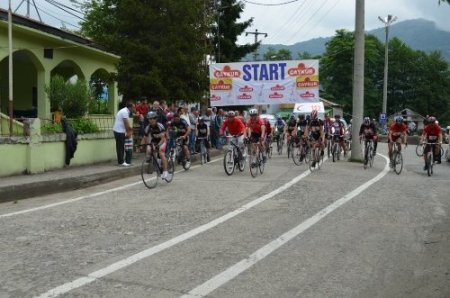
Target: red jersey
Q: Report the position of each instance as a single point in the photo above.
(432, 131)
(397, 130)
(255, 125)
(235, 127)
(268, 127)
(142, 109)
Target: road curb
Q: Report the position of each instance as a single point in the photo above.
(45, 187)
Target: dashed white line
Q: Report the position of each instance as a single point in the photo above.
(233, 271)
(165, 245)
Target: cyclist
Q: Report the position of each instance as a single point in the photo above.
(181, 129)
(290, 128)
(300, 132)
(269, 132)
(369, 132)
(236, 128)
(432, 133)
(256, 131)
(279, 128)
(314, 129)
(156, 135)
(397, 132)
(327, 124)
(203, 134)
(338, 131)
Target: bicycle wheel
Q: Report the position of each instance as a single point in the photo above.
(371, 156)
(269, 151)
(398, 163)
(261, 163)
(306, 153)
(289, 148)
(329, 148)
(228, 162)
(170, 170)
(253, 164)
(442, 152)
(429, 163)
(297, 155)
(241, 164)
(319, 158)
(312, 160)
(419, 150)
(150, 172)
(334, 152)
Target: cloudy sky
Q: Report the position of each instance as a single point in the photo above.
(290, 23)
(306, 19)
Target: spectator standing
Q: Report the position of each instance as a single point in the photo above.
(193, 119)
(122, 129)
(218, 121)
(160, 112)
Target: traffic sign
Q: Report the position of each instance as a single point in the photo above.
(382, 118)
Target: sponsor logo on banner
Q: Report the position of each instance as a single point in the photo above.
(301, 70)
(245, 96)
(276, 95)
(246, 89)
(307, 94)
(227, 72)
(214, 97)
(221, 85)
(307, 82)
(277, 87)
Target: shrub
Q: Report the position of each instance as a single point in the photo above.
(57, 92)
(50, 128)
(83, 126)
(77, 101)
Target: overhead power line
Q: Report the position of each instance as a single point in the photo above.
(270, 4)
(55, 4)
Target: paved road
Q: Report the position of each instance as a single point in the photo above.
(339, 232)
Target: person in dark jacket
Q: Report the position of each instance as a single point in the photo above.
(71, 140)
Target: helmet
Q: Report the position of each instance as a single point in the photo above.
(253, 112)
(314, 114)
(366, 120)
(278, 117)
(431, 120)
(292, 117)
(152, 115)
(399, 119)
(231, 114)
(337, 116)
(301, 116)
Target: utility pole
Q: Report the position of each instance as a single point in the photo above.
(10, 70)
(387, 21)
(358, 80)
(256, 33)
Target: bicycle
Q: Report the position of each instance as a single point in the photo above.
(178, 154)
(269, 147)
(151, 168)
(255, 159)
(203, 150)
(315, 159)
(233, 157)
(368, 153)
(429, 161)
(336, 148)
(329, 145)
(290, 146)
(301, 152)
(280, 142)
(419, 149)
(397, 160)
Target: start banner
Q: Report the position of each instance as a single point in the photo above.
(264, 82)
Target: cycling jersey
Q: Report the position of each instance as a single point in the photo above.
(314, 129)
(301, 127)
(291, 125)
(235, 126)
(268, 127)
(279, 125)
(155, 131)
(327, 124)
(369, 131)
(432, 131)
(337, 128)
(255, 125)
(397, 130)
(179, 128)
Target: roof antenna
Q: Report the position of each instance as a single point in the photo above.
(28, 8)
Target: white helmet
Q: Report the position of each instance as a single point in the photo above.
(253, 112)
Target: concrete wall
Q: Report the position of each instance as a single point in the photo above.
(38, 154)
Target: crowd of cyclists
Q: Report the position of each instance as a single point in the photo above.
(304, 129)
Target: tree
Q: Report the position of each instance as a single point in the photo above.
(161, 44)
(225, 31)
(281, 54)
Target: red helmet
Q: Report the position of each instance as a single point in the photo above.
(314, 114)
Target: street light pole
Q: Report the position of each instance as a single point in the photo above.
(387, 21)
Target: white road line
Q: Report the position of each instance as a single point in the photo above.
(233, 271)
(165, 245)
(93, 195)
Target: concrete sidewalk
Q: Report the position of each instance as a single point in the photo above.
(26, 186)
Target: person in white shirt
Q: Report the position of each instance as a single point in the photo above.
(122, 129)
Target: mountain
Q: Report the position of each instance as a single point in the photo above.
(419, 34)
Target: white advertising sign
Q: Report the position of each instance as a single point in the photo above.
(308, 107)
(264, 82)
